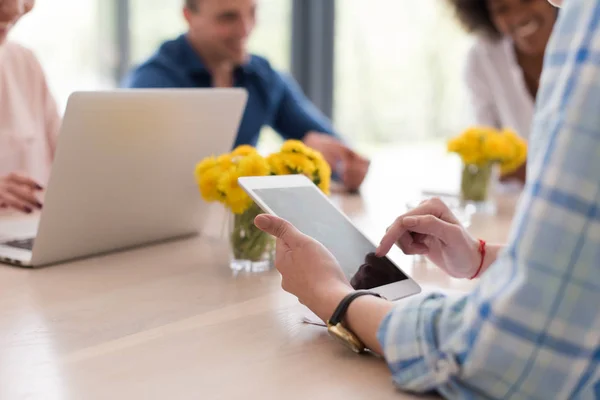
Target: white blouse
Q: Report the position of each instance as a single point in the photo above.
(497, 91)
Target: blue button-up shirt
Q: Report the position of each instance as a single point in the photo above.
(531, 327)
(274, 99)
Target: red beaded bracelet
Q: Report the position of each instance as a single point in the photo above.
(482, 252)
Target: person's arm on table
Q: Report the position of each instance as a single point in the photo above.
(297, 118)
(417, 232)
(19, 192)
(366, 313)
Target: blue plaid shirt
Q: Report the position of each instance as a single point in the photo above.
(531, 327)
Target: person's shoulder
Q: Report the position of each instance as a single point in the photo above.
(260, 63)
(484, 47)
(22, 61)
(484, 52)
(262, 67)
(268, 74)
(171, 50)
(16, 53)
(25, 72)
(15, 48)
(160, 69)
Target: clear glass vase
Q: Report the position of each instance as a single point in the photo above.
(475, 187)
(252, 250)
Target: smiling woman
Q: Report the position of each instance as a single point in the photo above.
(504, 65)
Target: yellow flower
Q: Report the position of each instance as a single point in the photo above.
(481, 145)
(325, 185)
(204, 166)
(240, 206)
(228, 182)
(455, 145)
(207, 183)
(313, 154)
(519, 158)
(472, 159)
(478, 133)
(518, 154)
(276, 164)
(467, 145)
(512, 136)
(225, 162)
(299, 164)
(233, 195)
(322, 175)
(319, 160)
(254, 165)
(497, 147)
(243, 150)
(294, 146)
(217, 177)
(469, 150)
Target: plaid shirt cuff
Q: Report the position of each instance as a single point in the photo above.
(409, 338)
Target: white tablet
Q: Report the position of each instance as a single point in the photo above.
(296, 199)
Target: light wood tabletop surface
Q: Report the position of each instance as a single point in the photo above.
(171, 321)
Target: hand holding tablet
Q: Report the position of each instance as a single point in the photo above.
(295, 199)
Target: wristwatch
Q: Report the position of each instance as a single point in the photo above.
(339, 331)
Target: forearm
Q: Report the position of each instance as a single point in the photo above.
(364, 317)
(296, 116)
(366, 313)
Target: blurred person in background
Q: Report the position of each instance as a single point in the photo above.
(214, 53)
(504, 66)
(29, 119)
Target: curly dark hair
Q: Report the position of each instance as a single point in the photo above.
(475, 17)
(191, 4)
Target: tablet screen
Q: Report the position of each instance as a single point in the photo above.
(313, 215)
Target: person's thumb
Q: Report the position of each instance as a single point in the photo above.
(430, 225)
(279, 228)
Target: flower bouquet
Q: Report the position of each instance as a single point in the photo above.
(481, 149)
(217, 178)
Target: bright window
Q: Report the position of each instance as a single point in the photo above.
(73, 41)
(398, 71)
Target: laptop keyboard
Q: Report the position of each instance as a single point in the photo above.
(25, 244)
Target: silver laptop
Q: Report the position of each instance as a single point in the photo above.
(123, 174)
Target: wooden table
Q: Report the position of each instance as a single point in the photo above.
(172, 322)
